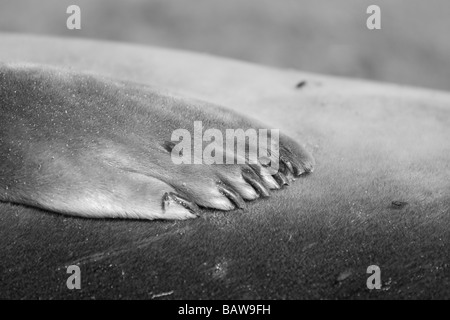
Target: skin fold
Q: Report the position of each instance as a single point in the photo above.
(379, 194)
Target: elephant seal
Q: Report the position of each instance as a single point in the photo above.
(379, 194)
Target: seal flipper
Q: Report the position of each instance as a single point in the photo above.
(88, 146)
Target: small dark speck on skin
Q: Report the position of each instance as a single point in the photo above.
(398, 204)
(301, 84)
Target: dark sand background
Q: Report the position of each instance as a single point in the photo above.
(330, 37)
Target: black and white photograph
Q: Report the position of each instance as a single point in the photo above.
(239, 151)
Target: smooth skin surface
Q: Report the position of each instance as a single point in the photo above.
(379, 194)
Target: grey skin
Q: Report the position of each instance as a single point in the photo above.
(380, 193)
(95, 147)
